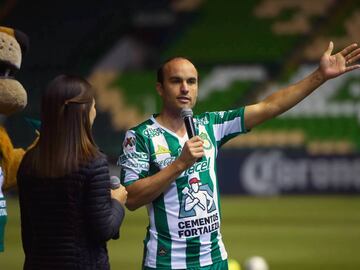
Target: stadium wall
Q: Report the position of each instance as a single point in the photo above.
(276, 171)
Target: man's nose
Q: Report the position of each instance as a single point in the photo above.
(184, 88)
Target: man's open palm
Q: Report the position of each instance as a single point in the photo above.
(332, 66)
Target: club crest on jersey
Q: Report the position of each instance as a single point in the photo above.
(207, 143)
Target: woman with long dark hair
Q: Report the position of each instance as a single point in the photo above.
(68, 211)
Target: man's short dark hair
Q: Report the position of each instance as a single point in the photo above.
(160, 71)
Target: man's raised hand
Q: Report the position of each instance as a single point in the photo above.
(332, 66)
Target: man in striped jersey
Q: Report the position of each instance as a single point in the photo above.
(160, 166)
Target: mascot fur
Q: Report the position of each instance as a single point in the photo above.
(13, 99)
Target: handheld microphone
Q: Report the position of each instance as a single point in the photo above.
(187, 115)
(114, 182)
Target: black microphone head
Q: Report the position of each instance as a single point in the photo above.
(114, 182)
(186, 112)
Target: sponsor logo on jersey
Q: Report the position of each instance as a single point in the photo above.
(221, 114)
(135, 164)
(129, 142)
(3, 207)
(201, 121)
(197, 203)
(161, 150)
(3, 212)
(198, 167)
(140, 156)
(153, 132)
(198, 226)
(164, 162)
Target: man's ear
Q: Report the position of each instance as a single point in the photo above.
(159, 89)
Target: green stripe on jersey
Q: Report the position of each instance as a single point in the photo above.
(193, 252)
(164, 239)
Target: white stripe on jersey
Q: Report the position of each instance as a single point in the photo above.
(222, 247)
(205, 249)
(227, 128)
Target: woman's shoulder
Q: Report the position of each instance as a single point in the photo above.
(97, 162)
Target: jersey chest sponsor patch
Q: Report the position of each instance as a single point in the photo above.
(198, 211)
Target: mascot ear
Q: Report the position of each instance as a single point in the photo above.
(20, 37)
(23, 40)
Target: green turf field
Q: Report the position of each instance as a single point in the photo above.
(292, 233)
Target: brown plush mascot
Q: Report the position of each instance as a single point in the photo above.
(13, 98)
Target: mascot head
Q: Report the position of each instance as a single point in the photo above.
(13, 44)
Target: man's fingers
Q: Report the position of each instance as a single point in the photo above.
(329, 49)
(196, 144)
(352, 54)
(353, 59)
(196, 139)
(348, 49)
(198, 154)
(197, 149)
(352, 68)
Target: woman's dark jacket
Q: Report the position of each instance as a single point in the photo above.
(65, 222)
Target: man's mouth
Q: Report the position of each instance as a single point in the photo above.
(7, 70)
(184, 99)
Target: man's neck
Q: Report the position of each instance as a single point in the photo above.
(172, 121)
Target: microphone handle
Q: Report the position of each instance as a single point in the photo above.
(190, 127)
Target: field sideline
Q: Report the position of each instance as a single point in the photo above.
(292, 233)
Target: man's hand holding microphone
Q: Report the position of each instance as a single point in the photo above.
(193, 149)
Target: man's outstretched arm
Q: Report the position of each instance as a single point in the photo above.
(330, 67)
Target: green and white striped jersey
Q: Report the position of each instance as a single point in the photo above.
(184, 229)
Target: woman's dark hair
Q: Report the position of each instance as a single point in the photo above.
(65, 140)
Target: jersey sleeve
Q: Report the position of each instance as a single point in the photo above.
(134, 160)
(227, 124)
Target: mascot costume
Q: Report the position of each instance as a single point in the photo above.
(13, 99)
